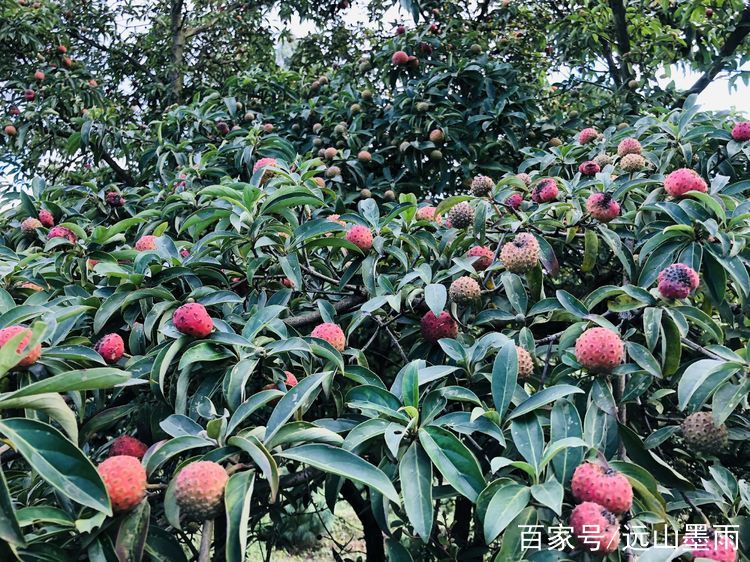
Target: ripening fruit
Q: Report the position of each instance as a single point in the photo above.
(114, 199)
(681, 181)
(32, 355)
(29, 226)
(461, 215)
(514, 200)
(741, 131)
(62, 232)
(360, 236)
(29, 95)
(364, 156)
(677, 281)
(10, 130)
(595, 528)
(481, 186)
(267, 128)
(62, 49)
(264, 163)
(521, 254)
(330, 153)
(437, 136)
(603, 159)
(602, 207)
(525, 178)
(290, 381)
(589, 168)
(422, 106)
(464, 290)
(628, 146)
(554, 141)
(389, 195)
(525, 363)
(93, 83)
(436, 156)
(632, 163)
(712, 545)
(110, 347)
(594, 483)
(355, 108)
(400, 30)
(193, 319)
(545, 191)
(332, 172)
(702, 435)
(599, 350)
(46, 218)
(331, 333)
(399, 58)
(587, 135)
(484, 257)
(125, 480)
(39, 75)
(146, 243)
(438, 327)
(427, 214)
(199, 490)
(127, 446)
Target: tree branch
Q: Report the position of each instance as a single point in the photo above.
(344, 305)
(121, 174)
(621, 35)
(373, 534)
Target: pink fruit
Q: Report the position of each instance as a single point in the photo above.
(360, 236)
(681, 181)
(599, 349)
(589, 168)
(525, 178)
(514, 200)
(127, 446)
(545, 191)
(193, 319)
(62, 232)
(32, 355)
(29, 225)
(741, 131)
(331, 333)
(711, 545)
(399, 58)
(114, 199)
(464, 290)
(587, 135)
(199, 490)
(602, 207)
(146, 243)
(125, 480)
(628, 146)
(110, 347)
(525, 363)
(427, 214)
(521, 254)
(46, 218)
(265, 163)
(437, 327)
(291, 380)
(595, 528)
(677, 281)
(484, 255)
(594, 483)
(29, 95)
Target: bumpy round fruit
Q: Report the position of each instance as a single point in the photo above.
(110, 347)
(335, 218)
(437, 327)
(46, 218)
(193, 319)
(29, 226)
(331, 333)
(330, 153)
(702, 435)
(114, 199)
(290, 380)
(679, 182)
(481, 186)
(364, 156)
(603, 159)
(360, 236)
(146, 243)
(464, 290)
(399, 58)
(587, 135)
(525, 363)
(632, 163)
(265, 163)
(712, 545)
(437, 136)
(125, 480)
(545, 191)
(554, 141)
(589, 168)
(127, 446)
(602, 207)
(628, 146)
(62, 232)
(521, 254)
(514, 200)
(525, 178)
(199, 490)
(427, 214)
(677, 281)
(484, 255)
(595, 528)
(741, 131)
(599, 349)
(594, 483)
(32, 355)
(332, 171)
(461, 215)
(11, 130)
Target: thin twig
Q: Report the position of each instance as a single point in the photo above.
(206, 538)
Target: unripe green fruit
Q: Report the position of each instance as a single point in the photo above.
(436, 156)
(365, 193)
(422, 106)
(476, 49)
(389, 195)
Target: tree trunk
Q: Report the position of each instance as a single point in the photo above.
(373, 534)
(176, 77)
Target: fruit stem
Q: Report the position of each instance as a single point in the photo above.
(206, 539)
(695, 508)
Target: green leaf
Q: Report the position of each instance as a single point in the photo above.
(571, 304)
(156, 457)
(696, 375)
(549, 494)
(341, 462)
(238, 495)
(85, 379)
(436, 295)
(262, 458)
(504, 377)
(131, 536)
(528, 437)
(415, 474)
(542, 398)
(512, 548)
(295, 398)
(506, 503)
(454, 460)
(10, 530)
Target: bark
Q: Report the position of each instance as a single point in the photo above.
(373, 534)
(344, 305)
(622, 37)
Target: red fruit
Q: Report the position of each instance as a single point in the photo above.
(679, 182)
(437, 327)
(10, 130)
(595, 528)
(741, 131)
(39, 75)
(222, 127)
(67, 61)
(287, 282)
(184, 252)
(484, 255)
(589, 168)
(399, 58)
(514, 200)
(32, 355)
(291, 380)
(587, 135)
(110, 347)
(14, 110)
(400, 30)
(427, 214)
(599, 349)
(545, 191)
(199, 490)
(145, 243)
(712, 545)
(62, 49)
(46, 218)
(93, 83)
(127, 446)
(331, 333)
(677, 281)
(611, 489)
(125, 480)
(193, 319)
(412, 63)
(522, 254)
(434, 28)
(360, 236)
(29, 95)
(330, 153)
(602, 207)
(628, 146)
(709, 13)
(265, 163)
(61, 232)
(114, 199)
